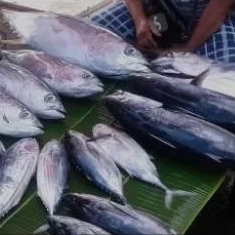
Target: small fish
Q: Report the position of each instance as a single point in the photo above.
(94, 163)
(210, 74)
(64, 78)
(113, 217)
(195, 100)
(62, 225)
(29, 90)
(17, 166)
(2, 149)
(16, 120)
(77, 41)
(52, 174)
(131, 157)
(173, 128)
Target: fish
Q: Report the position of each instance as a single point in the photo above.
(77, 41)
(16, 120)
(197, 70)
(131, 157)
(65, 78)
(96, 166)
(210, 105)
(52, 172)
(2, 149)
(61, 225)
(175, 129)
(17, 166)
(113, 217)
(29, 90)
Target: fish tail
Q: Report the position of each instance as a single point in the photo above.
(170, 194)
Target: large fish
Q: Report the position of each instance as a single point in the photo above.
(52, 174)
(174, 128)
(210, 74)
(131, 157)
(16, 120)
(32, 92)
(77, 41)
(17, 166)
(65, 78)
(94, 163)
(212, 106)
(113, 217)
(62, 225)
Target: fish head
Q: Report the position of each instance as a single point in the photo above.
(81, 203)
(31, 125)
(19, 121)
(129, 101)
(49, 104)
(117, 58)
(75, 140)
(183, 62)
(79, 82)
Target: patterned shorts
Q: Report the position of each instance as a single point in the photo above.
(220, 46)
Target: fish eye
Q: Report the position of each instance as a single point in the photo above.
(49, 98)
(87, 75)
(129, 50)
(24, 114)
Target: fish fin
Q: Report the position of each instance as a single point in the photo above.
(178, 108)
(199, 79)
(170, 194)
(214, 157)
(99, 137)
(163, 141)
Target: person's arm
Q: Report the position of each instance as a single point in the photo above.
(143, 29)
(211, 20)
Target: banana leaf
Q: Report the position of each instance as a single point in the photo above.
(82, 115)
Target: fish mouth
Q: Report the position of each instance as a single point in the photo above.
(53, 114)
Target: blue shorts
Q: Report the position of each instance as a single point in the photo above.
(220, 46)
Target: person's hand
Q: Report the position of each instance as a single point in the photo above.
(144, 35)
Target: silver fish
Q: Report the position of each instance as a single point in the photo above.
(65, 78)
(94, 163)
(31, 91)
(2, 149)
(61, 225)
(115, 218)
(17, 166)
(16, 120)
(210, 74)
(131, 157)
(77, 41)
(52, 174)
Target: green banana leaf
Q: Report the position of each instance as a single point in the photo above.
(82, 115)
